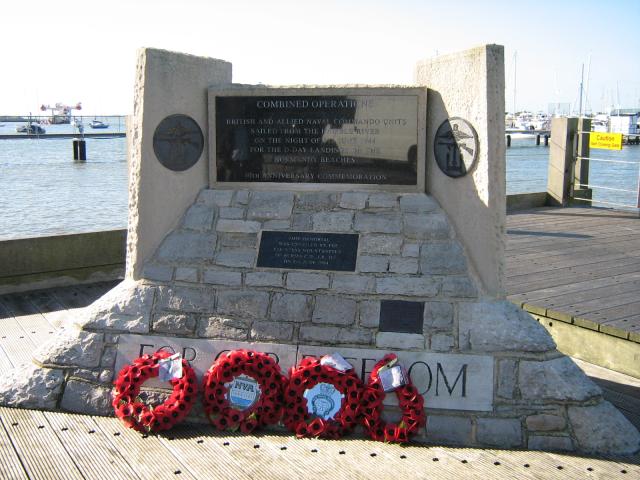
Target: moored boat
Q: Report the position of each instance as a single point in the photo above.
(98, 124)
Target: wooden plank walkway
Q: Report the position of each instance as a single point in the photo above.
(579, 265)
(54, 445)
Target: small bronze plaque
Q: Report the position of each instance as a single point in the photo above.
(456, 147)
(401, 317)
(308, 251)
(178, 142)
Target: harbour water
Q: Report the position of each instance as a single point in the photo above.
(44, 192)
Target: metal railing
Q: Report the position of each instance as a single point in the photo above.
(589, 185)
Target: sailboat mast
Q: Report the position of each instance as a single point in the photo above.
(581, 85)
(515, 71)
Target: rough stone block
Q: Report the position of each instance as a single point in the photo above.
(215, 198)
(276, 225)
(500, 432)
(291, 307)
(550, 443)
(383, 200)
(186, 299)
(460, 287)
(307, 281)
(381, 244)
(377, 223)
(369, 314)
(316, 201)
(159, 273)
(187, 274)
(174, 323)
(403, 265)
(354, 284)
(242, 197)
(222, 277)
(507, 378)
(87, 398)
(545, 422)
(237, 226)
(199, 217)
(411, 286)
(488, 326)
(411, 250)
(442, 342)
(29, 386)
(334, 310)
(301, 222)
(334, 335)
(373, 263)
(238, 257)
(442, 258)
(557, 379)
(449, 430)
(108, 358)
(243, 303)
(238, 240)
(417, 203)
(189, 247)
(438, 316)
(400, 341)
(71, 348)
(332, 221)
(270, 205)
(603, 429)
(232, 213)
(271, 331)
(127, 307)
(264, 279)
(431, 226)
(354, 200)
(219, 327)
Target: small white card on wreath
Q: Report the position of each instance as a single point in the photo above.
(170, 368)
(392, 378)
(337, 361)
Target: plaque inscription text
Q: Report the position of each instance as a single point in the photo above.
(308, 251)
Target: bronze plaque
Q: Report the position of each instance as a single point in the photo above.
(178, 142)
(456, 147)
(349, 139)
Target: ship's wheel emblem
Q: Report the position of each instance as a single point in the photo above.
(456, 147)
(178, 142)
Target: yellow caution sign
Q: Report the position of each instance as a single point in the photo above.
(607, 141)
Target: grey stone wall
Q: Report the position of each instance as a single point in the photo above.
(407, 250)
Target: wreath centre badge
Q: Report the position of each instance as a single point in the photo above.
(323, 400)
(242, 392)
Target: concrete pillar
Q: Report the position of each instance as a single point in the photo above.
(470, 85)
(561, 155)
(167, 83)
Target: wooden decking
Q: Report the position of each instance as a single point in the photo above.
(578, 265)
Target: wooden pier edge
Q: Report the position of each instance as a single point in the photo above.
(608, 346)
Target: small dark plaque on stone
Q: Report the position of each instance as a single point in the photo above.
(401, 317)
(456, 147)
(308, 251)
(178, 142)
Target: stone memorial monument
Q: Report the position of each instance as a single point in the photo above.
(310, 220)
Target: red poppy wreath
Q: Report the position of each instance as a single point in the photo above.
(321, 401)
(410, 401)
(135, 414)
(243, 389)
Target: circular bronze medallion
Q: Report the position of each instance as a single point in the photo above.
(178, 142)
(456, 147)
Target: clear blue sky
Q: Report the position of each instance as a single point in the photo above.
(69, 51)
